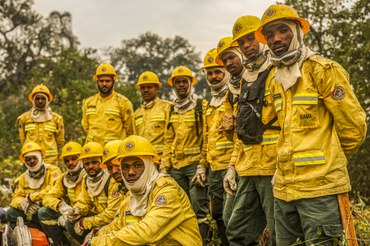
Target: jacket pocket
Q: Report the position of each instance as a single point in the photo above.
(305, 111)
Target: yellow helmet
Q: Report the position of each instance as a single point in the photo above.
(70, 148)
(41, 88)
(91, 149)
(110, 151)
(245, 25)
(105, 69)
(135, 146)
(148, 77)
(181, 71)
(210, 59)
(224, 44)
(28, 147)
(276, 12)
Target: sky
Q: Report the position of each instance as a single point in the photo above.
(105, 23)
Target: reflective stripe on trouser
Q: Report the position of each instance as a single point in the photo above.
(253, 210)
(315, 221)
(198, 195)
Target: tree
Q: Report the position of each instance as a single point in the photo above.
(340, 31)
(160, 55)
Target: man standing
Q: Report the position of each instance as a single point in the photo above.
(151, 118)
(107, 115)
(217, 148)
(31, 186)
(41, 125)
(322, 124)
(62, 195)
(254, 156)
(98, 200)
(183, 142)
(156, 211)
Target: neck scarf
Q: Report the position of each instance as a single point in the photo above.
(218, 91)
(41, 114)
(95, 185)
(182, 106)
(148, 105)
(256, 65)
(74, 177)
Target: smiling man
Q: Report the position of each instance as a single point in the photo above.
(151, 118)
(107, 115)
(156, 211)
(41, 125)
(322, 125)
(98, 200)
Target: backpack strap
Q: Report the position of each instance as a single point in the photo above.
(198, 112)
(171, 111)
(270, 126)
(106, 186)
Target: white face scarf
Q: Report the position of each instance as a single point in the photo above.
(41, 115)
(40, 161)
(35, 182)
(218, 91)
(141, 188)
(182, 106)
(260, 64)
(288, 65)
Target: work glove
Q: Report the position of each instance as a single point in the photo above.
(230, 184)
(79, 229)
(74, 214)
(62, 221)
(227, 123)
(33, 208)
(25, 203)
(200, 177)
(89, 236)
(63, 208)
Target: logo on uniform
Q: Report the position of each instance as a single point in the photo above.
(145, 77)
(69, 148)
(160, 200)
(180, 70)
(129, 146)
(221, 44)
(210, 59)
(87, 150)
(237, 28)
(105, 151)
(270, 13)
(103, 69)
(41, 88)
(338, 93)
(29, 146)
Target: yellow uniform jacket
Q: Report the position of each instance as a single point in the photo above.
(217, 149)
(103, 205)
(107, 118)
(182, 145)
(151, 123)
(169, 220)
(322, 124)
(35, 195)
(49, 135)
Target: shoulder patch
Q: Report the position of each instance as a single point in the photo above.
(338, 93)
(160, 200)
(128, 111)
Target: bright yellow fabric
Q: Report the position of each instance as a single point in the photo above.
(49, 135)
(108, 118)
(182, 146)
(52, 173)
(102, 205)
(151, 123)
(169, 220)
(319, 131)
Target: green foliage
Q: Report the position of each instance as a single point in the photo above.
(340, 31)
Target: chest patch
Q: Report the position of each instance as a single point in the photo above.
(160, 200)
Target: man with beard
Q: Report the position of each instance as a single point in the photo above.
(98, 200)
(183, 142)
(254, 157)
(62, 195)
(217, 148)
(41, 125)
(107, 115)
(156, 211)
(322, 125)
(31, 186)
(151, 118)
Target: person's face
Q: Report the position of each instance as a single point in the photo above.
(278, 38)
(232, 63)
(181, 86)
(31, 160)
(249, 45)
(214, 75)
(149, 92)
(70, 161)
(105, 85)
(132, 168)
(92, 166)
(40, 101)
(114, 171)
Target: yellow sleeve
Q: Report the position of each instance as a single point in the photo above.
(55, 194)
(169, 137)
(84, 202)
(19, 193)
(118, 221)
(128, 112)
(84, 121)
(158, 222)
(203, 155)
(22, 133)
(107, 215)
(52, 177)
(238, 147)
(60, 132)
(340, 100)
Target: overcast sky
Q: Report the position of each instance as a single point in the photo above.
(104, 23)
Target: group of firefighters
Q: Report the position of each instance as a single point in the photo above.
(269, 150)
